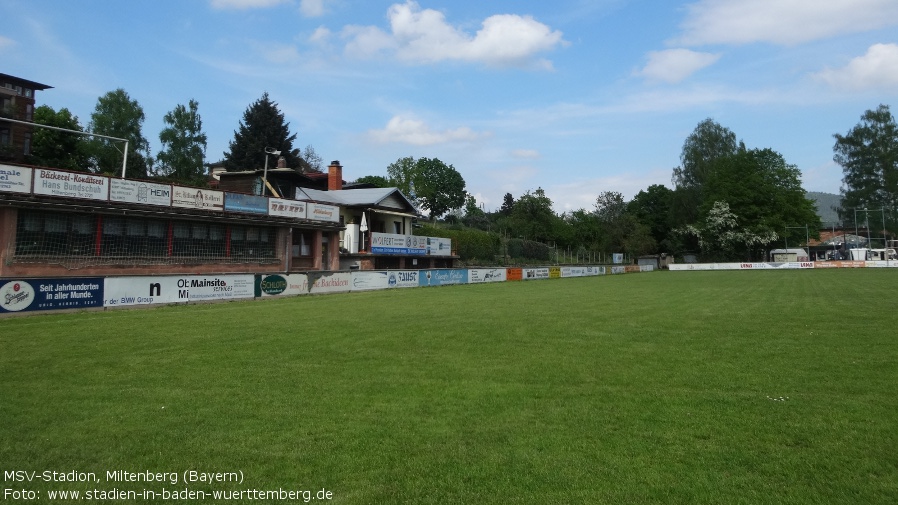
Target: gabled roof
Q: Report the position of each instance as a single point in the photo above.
(384, 198)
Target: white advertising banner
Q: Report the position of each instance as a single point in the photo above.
(575, 271)
(438, 246)
(691, 266)
(195, 198)
(146, 290)
(287, 208)
(321, 212)
(123, 190)
(618, 270)
(404, 278)
(478, 275)
(368, 279)
(338, 282)
(882, 264)
(15, 179)
(595, 270)
(530, 274)
(792, 265)
(70, 184)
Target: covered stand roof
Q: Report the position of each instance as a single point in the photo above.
(389, 199)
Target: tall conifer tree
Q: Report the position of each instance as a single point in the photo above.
(262, 126)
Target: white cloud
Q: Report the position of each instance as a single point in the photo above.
(785, 22)
(366, 41)
(313, 8)
(424, 36)
(530, 154)
(877, 69)
(416, 132)
(244, 4)
(320, 36)
(674, 65)
(6, 42)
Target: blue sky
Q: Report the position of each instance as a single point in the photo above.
(573, 96)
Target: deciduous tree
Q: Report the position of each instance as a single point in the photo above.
(54, 148)
(117, 115)
(183, 145)
(438, 186)
(868, 154)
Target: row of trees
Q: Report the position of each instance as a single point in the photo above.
(728, 202)
(182, 156)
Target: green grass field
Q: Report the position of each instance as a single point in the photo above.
(670, 387)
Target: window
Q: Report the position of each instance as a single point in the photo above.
(113, 236)
(26, 143)
(29, 112)
(252, 242)
(302, 243)
(55, 235)
(5, 137)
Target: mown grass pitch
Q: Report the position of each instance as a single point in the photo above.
(668, 387)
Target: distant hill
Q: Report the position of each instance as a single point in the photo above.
(826, 205)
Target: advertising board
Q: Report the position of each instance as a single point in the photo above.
(595, 270)
(442, 277)
(15, 179)
(18, 295)
(367, 280)
(70, 184)
(337, 282)
(391, 243)
(287, 208)
(322, 212)
(148, 290)
(439, 246)
(123, 190)
(404, 278)
(514, 274)
(532, 274)
(478, 275)
(840, 264)
(282, 285)
(250, 204)
(194, 198)
(573, 271)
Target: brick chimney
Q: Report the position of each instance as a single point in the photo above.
(334, 176)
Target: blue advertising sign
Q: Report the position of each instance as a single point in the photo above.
(235, 202)
(391, 243)
(48, 294)
(443, 277)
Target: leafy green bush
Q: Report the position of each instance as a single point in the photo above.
(470, 245)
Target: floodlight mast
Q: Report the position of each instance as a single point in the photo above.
(29, 123)
(268, 150)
